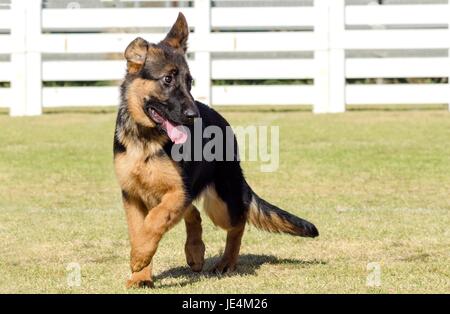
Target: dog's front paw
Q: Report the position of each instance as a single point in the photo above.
(139, 259)
(139, 283)
(141, 279)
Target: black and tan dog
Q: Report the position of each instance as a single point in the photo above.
(157, 190)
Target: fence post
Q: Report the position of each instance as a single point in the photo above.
(26, 81)
(337, 56)
(18, 58)
(34, 61)
(203, 57)
(329, 56)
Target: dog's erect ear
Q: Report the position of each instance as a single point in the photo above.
(178, 34)
(135, 54)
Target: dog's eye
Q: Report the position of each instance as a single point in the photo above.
(167, 79)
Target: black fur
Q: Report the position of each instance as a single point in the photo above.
(125, 195)
(118, 147)
(226, 175)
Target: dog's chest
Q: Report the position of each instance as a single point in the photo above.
(144, 174)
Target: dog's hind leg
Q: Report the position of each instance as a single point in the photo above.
(229, 259)
(194, 247)
(226, 201)
(219, 212)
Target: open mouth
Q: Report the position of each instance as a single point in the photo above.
(155, 116)
(176, 133)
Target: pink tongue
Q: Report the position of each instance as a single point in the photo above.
(176, 133)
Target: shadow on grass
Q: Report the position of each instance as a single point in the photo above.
(247, 265)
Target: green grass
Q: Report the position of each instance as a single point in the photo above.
(375, 183)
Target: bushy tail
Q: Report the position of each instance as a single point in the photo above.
(268, 217)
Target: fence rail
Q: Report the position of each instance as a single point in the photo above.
(328, 30)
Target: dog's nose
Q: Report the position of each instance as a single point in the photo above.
(190, 113)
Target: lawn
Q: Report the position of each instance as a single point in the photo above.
(376, 184)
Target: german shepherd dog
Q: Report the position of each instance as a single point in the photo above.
(157, 191)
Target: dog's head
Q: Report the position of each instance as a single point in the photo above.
(158, 80)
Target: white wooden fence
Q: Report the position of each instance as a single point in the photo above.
(324, 29)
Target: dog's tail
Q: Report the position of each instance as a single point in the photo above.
(268, 217)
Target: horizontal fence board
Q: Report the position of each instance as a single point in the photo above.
(396, 67)
(91, 43)
(394, 39)
(5, 97)
(102, 70)
(5, 71)
(63, 19)
(221, 69)
(5, 19)
(215, 42)
(263, 95)
(411, 94)
(263, 69)
(222, 95)
(397, 94)
(396, 14)
(262, 17)
(249, 69)
(253, 41)
(5, 44)
(80, 96)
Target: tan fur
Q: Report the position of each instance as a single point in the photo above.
(135, 212)
(135, 54)
(271, 222)
(158, 221)
(137, 93)
(173, 42)
(178, 34)
(141, 279)
(154, 197)
(216, 209)
(155, 53)
(133, 67)
(148, 181)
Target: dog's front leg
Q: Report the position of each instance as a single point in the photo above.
(157, 222)
(135, 212)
